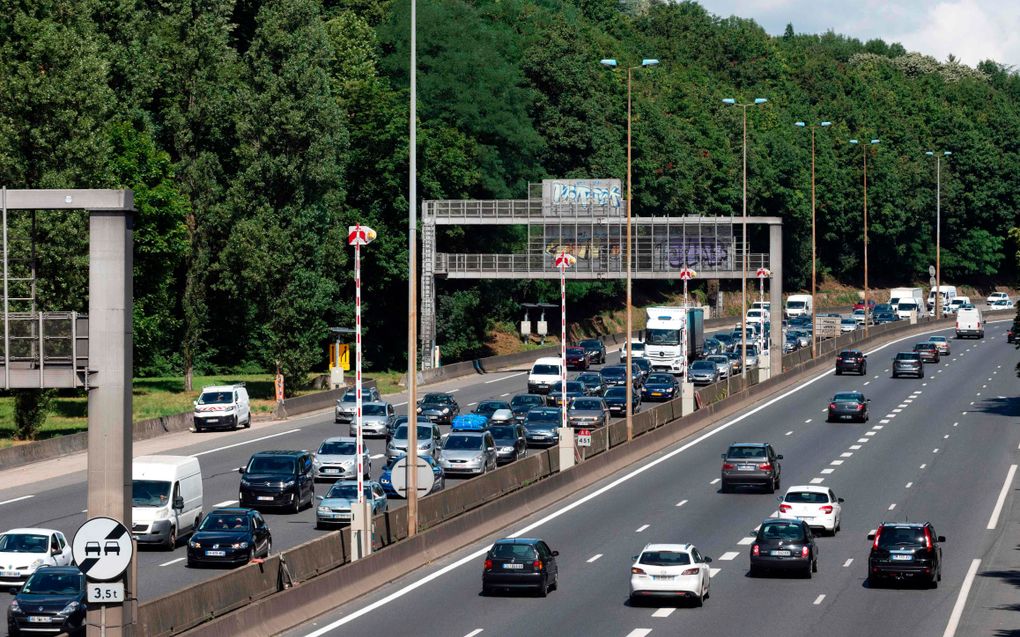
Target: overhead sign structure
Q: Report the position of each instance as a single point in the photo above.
(584, 438)
(398, 477)
(102, 549)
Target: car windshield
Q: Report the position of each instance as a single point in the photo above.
(216, 398)
(589, 378)
(460, 442)
(703, 365)
(586, 404)
(664, 558)
(350, 396)
(893, 536)
(346, 491)
(782, 531)
(662, 337)
(435, 399)
(24, 543)
(373, 410)
(338, 448)
(573, 387)
(637, 347)
(524, 401)
(543, 417)
(937, 339)
(616, 392)
(507, 551)
(224, 522)
(745, 452)
(847, 396)
(905, 356)
(591, 344)
(795, 305)
(906, 307)
(807, 497)
(424, 432)
(576, 351)
(504, 432)
(149, 493)
(921, 346)
(546, 370)
(613, 372)
(659, 379)
(43, 582)
(270, 464)
(848, 321)
(487, 407)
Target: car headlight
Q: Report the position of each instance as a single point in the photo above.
(323, 509)
(245, 483)
(288, 484)
(14, 607)
(506, 449)
(418, 409)
(478, 458)
(70, 608)
(425, 445)
(162, 514)
(195, 545)
(446, 410)
(239, 545)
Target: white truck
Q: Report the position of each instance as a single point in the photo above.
(946, 291)
(674, 336)
(905, 294)
(799, 305)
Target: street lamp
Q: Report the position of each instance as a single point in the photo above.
(411, 476)
(938, 228)
(864, 147)
(758, 101)
(814, 323)
(611, 63)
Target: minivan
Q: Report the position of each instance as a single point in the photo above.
(282, 479)
(543, 375)
(222, 407)
(166, 498)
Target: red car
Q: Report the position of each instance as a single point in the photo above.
(577, 358)
(859, 305)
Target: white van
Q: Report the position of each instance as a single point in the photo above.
(799, 305)
(908, 305)
(970, 322)
(947, 293)
(222, 406)
(166, 498)
(544, 374)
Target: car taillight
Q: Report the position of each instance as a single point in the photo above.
(765, 467)
(877, 534)
(832, 405)
(727, 466)
(636, 571)
(804, 552)
(755, 551)
(690, 571)
(827, 509)
(537, 565)
(927, 538)
(488, 565)
(783, 508)
(859, 407)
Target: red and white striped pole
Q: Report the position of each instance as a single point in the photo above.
(358, 236)
(563, 261)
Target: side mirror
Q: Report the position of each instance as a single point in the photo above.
(840, 500)
(555, 553)
(195, 403)
(318, 497)
(634, 558)
(240, 470)
(871, 536)
(179, 503)
(779, 498)
(942, 538)
(722, 455)
(708, 560)
(55, 551)
(779, 457)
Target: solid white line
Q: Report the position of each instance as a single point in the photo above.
(746, 541)
(817, 480)
(712, 572)
(400, 404)
(818, 600)
(848, 562)
(24, 497)
(179, 559)
(472, 404)
(225, 503)
(594, 557)
(474, 632)
(454, 391)
(961, 599)
(909, 484)
(681, 503)
(994, 520)
(663, 612)
(729, 555)
(637, 632)
(641, 528)
(892, 506)
(246, 442)
(496, 380)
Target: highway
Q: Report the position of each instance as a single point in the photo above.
(938, 448)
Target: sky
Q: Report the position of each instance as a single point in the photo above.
(972, 30)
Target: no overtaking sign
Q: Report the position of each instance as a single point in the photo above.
(102, 549)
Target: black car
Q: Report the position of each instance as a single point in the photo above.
(278, 479)
(851, 360)
(577, 358)
(786, 545)
(1012, 332)
(644, 365)
(907, 363)
(848, 405)
(592, 382)
(881, 318)
(751, 464)
(614, 376)
(928, 351)
(575, 389)
(520, 563)
(541, 426)
(438, 407)
(230, 536)
(521, 404)
(616, 400)
(488, 407)
(726, 340)
(905, 550)
(595, 349)
(51, 601)
(660, 386)
(511, 442)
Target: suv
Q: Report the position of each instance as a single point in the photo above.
(595, 349)
(277, 479)
(468, 453)
(225, 406)
(752, 464)
(907, 363)
(902, 550)
(851, 360)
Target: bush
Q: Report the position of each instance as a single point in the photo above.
(30, 409)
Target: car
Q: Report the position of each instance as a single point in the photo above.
(428, 439)
(386, 477)
(905, 551)
(941, 344)
(595, 349)
(502, 417)
(815, 504)
(803, 337)
(907, 363)
(336, 506)
(577, 358)
(346, 405)
(783, 544)
(881, 318)
(722, 362)
(928, 352)
(614, 376)
(644, 365)
(852, 360)
(790, 345)
(470, 422)
(848, 405)
(995, 297)
(726, 340)
(734, 357)
(488, 407)
(51, 601)
(520, 563)
(222, 406)
(592, 382)
(521, 404)
(848, 324)
(703, 372)
(280, 478)
(541, 426)
(575, 389)
(337, 458)
(402, 420)
(660, 386)
(511, 442)
(438, 407)
(670, 571)
(233, 536)
(471, 453)
(860, 316)
(1004, 304)
(752, 356)
(751, 464)
(713, 346)
(616, 400)
(588, 411)
(860, 305)
(377, 419)
(24, 550)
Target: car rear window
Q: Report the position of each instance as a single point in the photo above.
(807, 497)
(904, 356)
(586, 404)
(893, 536)
(511, 551)
(746, 452)
(664, 558)
(846, 396)
(780, 531)
(546, 370)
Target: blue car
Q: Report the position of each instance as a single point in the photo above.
(470, 422)
(659, 386)
(437, 472)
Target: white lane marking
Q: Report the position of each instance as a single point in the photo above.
(863, 439)
(817, 480)
(24, 497)
(892, 506)
(855, 447)
(923, 466)
(907, 401)
(955, 424)
(884, 421)
(472, 404)
(847, 563)
(984, 387)
(377, 456)
(945, 437)
(876, 377)
(84, 510)
(789, 433)
(246, 442)
(594, 557)
(961, 600)
(924, 384)
(867, 382)
(496, 380)
(663, 612)
(681, 503)
(891, 415)
(474, 632)
(807, 421)
(729, 555)
(716, 481)
(745, 541)
(878, 427)
(916, 393)
(979, 393)
(227, 503)
(712, 572)
(179, 559)
(827, 471)
(641, 528)
(964, 414)
(637, 632)
(818, 600)
(506, 394)
(846, 454)
(836, 462)
(454, 391)
(870, 433)
(825, 411)
(400, 404)
(935, 450)
(909, 484)
(895, 411)
(994, 520)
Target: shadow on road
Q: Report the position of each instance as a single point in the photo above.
(1009, 406)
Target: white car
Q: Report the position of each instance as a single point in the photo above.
(815, 504)
(1002, 304)
(996, 296)
(22, 551)
(670, 571)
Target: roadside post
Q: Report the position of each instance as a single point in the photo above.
(765, 353)
(103, 548)
(563, 261)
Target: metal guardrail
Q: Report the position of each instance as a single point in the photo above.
(44, 349)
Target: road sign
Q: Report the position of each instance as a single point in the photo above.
(763, 273)
(932, 281)
(584, 438)
(360, 235)
(102, 549)
(931, 270)
(344, 356)
(686, 274)
(565, 260)
(398, 477)
(106, 592)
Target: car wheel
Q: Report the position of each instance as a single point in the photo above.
(934, 582)
(296, 507)
(486, 591)
(724, 487)
(864, 370)
(699, 601)
(771, 487)
(814, 565)
(839, 373)
(247, 423)
(189, 564)
(543, 588)
(755, 571)
(236, 423)
(171, 540)
(895, 375)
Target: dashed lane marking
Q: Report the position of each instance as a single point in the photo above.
(24, 497)
(855, 447)
(594, 557)
(716, 481)
(664, 612)
(817, 480)
(729, 555)
(846, 454)
(827, 471)
(712, 572)
(818, 600)
(225, 503)
(892, 506)
(847, 563)
(681, 503)
(909, 484)
(789, 433)
(745, 541)
(179, 559)
(923, 466)
(641, 528)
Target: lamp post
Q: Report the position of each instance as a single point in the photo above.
(864, 147)
(563, 261)
(412, 286)
(938, 228)
(814, 248)
(758, 101)
(612, 64)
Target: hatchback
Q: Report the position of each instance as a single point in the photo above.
(541, 426)
(468, 453)
(941, 343)
(907, 363)
(230, 536)
(815, 504)
(520, 563)
(670, 571)
(337, 458)
(787, 545)
(511, 441)
(438, 407)
(336, 506)
(51, 601)
(661, 386)
(851, 360)
(595, 349)
(521, 404)
(577, 358)
(903, 550)
(751, 464)
(592, 382)
(428, 440)
(703, 372)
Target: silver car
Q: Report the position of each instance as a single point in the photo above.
(337, 458)
(377, 418)
(471, 453)
(335, 506)
(722, 362)
(428, 440)
(346, 405)
(588, 411)
(703, 372)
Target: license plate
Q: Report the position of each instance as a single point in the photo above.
(745, 468)
(660, 578)
(903, 558)
(38, 619)
(781, 553)
(331, 470)
(265, 498)
(513, 566)
(656, 393)
(847, 416)
(8, 573)
(216, 553)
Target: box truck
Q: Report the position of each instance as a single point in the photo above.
(674, 336)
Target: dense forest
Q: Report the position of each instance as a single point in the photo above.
(254, 132)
